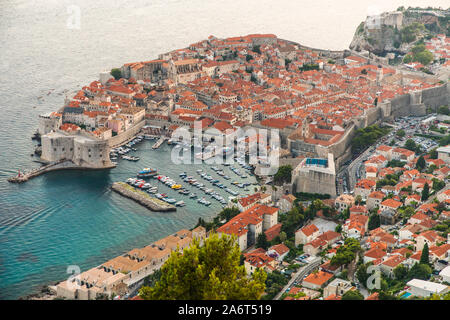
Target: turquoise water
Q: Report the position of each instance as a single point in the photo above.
(73, 218)
(405, 295)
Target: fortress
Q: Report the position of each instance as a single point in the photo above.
(84, 150)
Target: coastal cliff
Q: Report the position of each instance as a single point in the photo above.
(397, 31)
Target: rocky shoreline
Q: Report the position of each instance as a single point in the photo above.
(43, 293)
(141, 197)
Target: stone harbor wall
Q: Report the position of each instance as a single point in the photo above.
(125, 136)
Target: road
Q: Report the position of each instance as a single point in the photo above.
(300, 274)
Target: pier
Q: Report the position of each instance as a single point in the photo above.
(141, 197)
(159, 143)
(25, 176)
(58, 165)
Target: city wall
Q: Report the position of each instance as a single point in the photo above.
(315, 182)
(416, 103)
(125, 136)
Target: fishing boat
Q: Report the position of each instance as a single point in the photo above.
(147, 173)
(180, 203)
(183, 174)
(176, 186)
(152, 190)
(169, 200)
(131, 180)
(131, 158)
(192, 196)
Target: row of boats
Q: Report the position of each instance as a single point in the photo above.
(122, 151)
(143, 185)
(146, 173)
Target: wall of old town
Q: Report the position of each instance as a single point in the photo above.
(125, 136)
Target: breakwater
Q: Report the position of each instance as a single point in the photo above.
(141, 197)
(54, 166)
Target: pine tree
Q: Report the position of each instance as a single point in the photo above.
(425, 192)
(424, 258)
(208, 272)
(262, 242)
(421, 164)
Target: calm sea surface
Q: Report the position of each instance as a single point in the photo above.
(72, 218)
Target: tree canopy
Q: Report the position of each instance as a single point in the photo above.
(352, 295)
(346, 253)
(283, 175)
(206, 272)
(367, 136)
(262, 242)
(116, 73)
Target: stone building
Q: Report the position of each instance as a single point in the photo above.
(315, 176)
(82, 149)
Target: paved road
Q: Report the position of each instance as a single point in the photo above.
(300, 274)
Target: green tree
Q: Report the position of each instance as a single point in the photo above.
(361, 273)
(374, 221)
(401, 133)
(292, 220)
(443, 110)
(425, 257)
(352, 295)
(421, 164)
(410, 145)
(283, 175)
(338, 228)
(419, 271)
(116, 73)
(407, 58)
(229, 213)
(283, 236)
(262, 242)
(346, 253)
(210, 271)
(424, 57)
(400, 272)
(425, 192)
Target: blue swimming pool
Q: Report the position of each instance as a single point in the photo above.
(406, 295)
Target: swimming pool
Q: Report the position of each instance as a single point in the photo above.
(406, 295)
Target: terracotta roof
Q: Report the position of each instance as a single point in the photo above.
(318, 278)
(309, 230)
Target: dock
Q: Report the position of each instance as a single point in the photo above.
(53, 166)
(142, 197)
(25, 176)
(159, 143)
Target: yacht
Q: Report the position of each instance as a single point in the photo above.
(180, 203)
(147, 173)
(169, 200)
